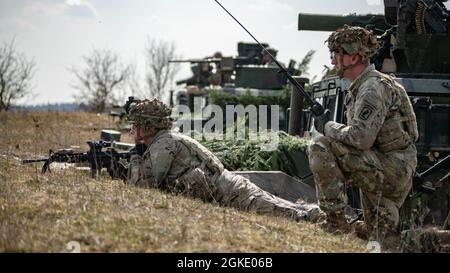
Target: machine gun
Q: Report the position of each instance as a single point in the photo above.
(96, 157)
(201, 71)
(225, 67)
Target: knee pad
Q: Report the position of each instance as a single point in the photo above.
(320, 158)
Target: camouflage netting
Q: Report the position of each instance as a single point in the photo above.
(150, 113)
(353, 40)
(246, 155)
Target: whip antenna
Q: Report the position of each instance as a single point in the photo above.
(316, 108)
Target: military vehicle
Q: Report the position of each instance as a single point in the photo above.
(249, 73)
(414, 37)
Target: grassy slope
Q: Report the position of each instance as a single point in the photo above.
(45, 212)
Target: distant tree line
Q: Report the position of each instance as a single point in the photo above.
(103, 80)
(48, 107)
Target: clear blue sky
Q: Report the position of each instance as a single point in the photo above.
(57, 33)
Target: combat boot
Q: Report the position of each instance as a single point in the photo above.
(360, 229)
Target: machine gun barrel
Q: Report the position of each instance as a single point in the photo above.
(325, 22)
(315, 107)
(59, 156)
(25, 161)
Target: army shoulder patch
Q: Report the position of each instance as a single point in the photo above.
(366, 111)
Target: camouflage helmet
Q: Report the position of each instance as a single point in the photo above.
(150, 113)
(353, 40)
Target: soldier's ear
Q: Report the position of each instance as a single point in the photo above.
(355, 58)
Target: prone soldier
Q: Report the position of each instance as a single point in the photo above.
(176, 163)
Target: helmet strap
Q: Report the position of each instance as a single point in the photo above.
(341, 71)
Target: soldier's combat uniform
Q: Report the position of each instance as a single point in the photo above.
(373, 151)
(178, 163)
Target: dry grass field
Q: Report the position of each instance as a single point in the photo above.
(44, 212)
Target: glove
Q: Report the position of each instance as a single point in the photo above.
(320, 121)
(139, 149)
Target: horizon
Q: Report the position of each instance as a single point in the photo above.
(57, 33)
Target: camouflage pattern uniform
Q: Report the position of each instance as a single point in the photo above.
(374, 151)
(177, 163)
